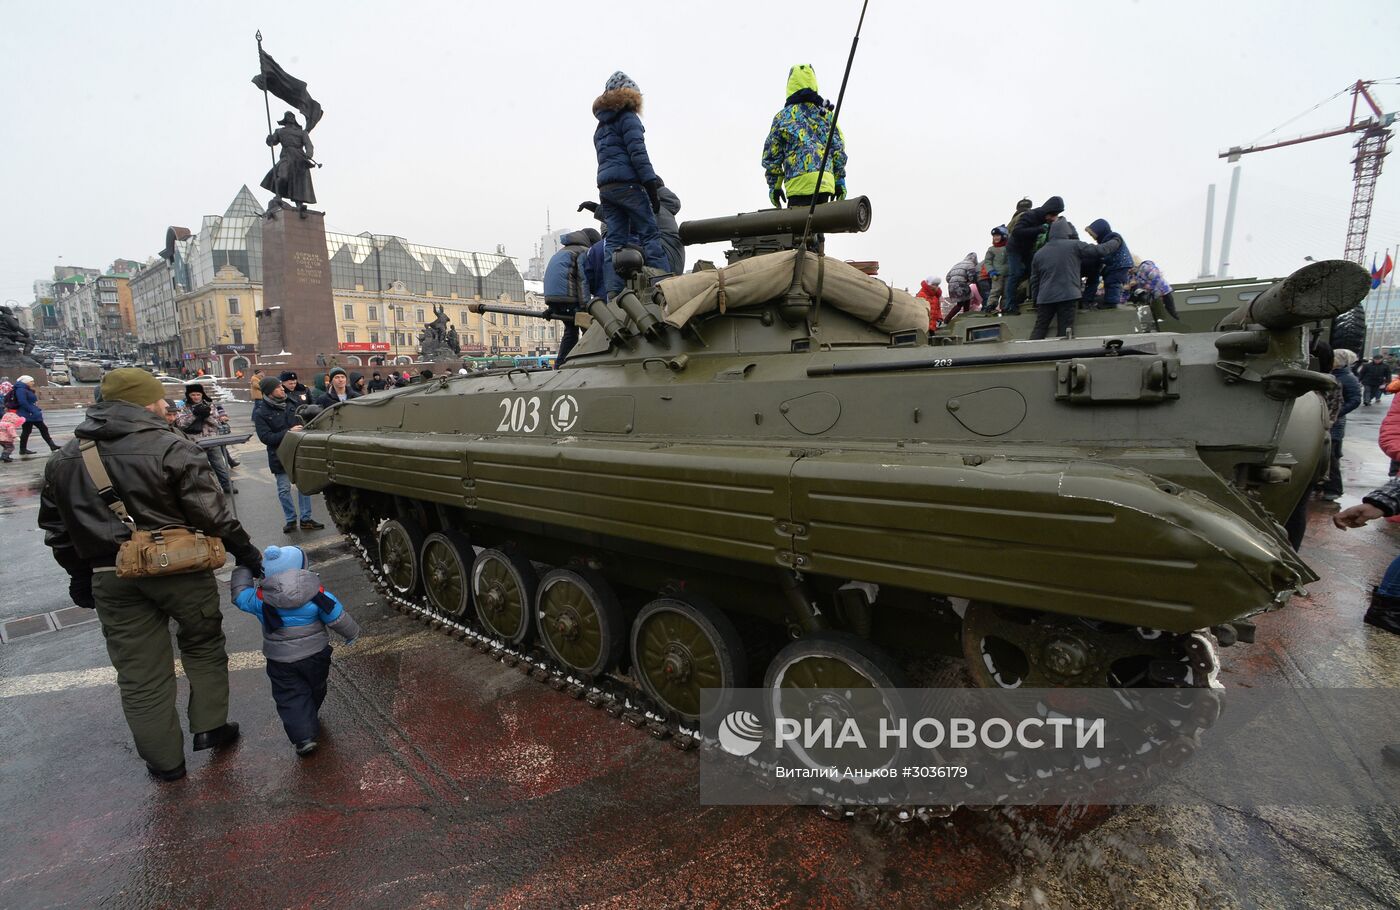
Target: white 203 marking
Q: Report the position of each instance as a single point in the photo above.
(519, 415)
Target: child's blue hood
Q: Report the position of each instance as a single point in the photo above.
(290, 589)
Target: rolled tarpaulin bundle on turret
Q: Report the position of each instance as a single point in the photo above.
(761, 279)
(1314, 293)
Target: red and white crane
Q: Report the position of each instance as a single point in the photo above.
(1371, 149)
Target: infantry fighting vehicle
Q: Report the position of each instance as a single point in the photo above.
(765, 474)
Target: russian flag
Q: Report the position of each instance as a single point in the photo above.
(1378, 274)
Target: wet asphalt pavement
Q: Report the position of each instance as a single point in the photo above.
(447, 779)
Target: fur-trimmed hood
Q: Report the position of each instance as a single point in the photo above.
(617, 101)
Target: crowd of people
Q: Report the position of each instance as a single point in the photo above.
(149, 445)
(1038, 258)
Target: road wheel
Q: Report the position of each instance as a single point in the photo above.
(503, 589)
(447, 557)
(837, 677)
(580, 620)
(400, 542)
(680, 647)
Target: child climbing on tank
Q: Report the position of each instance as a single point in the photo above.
(295, 611)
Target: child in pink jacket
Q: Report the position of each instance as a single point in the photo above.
(9, 429)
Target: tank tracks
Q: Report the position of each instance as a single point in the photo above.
(1177, 740)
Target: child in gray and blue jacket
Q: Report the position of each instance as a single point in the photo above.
(295, 611)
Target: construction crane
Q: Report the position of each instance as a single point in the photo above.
(1370, 153)
(1349, 329)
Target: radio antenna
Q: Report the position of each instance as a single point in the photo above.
(796, 288)
(835, 115)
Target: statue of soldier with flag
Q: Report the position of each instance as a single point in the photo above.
(290, 176)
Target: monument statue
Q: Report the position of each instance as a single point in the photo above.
(290, 177)
(14, 338)
(438, 340)
(297, 319)
(15, 346)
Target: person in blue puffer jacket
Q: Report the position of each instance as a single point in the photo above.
(295, 611)
(1113, 268)
(566, 285)
(27, 404)
(628, 187)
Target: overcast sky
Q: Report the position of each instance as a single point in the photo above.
(459, 124)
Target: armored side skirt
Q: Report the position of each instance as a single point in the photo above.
(1082, 538)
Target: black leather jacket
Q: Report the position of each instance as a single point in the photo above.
(163, 477)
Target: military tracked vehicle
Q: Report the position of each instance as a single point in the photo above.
(766, 474)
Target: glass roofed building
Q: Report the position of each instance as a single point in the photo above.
(362, 261)
(384, 286)
(231, 239)
(358, 261)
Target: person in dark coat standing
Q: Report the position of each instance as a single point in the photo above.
(290, 177)
(670, 229)
(628, 186)
(1342, 362)
(594, 264)
(1374, 376)
(1020, 250)
(273, 421)
(566, 285)
(1057, 276)
(1112, 269)
(27, 404)
(164, 480)
(376, 382)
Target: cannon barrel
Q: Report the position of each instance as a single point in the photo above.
(1314, 293)
(519, 311)
(848, 216)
